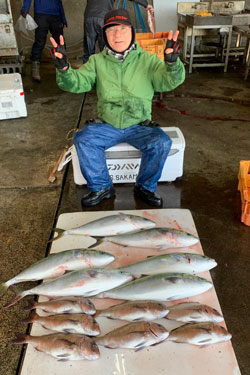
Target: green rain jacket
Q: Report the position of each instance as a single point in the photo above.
(124, 89)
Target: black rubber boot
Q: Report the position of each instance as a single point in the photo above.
(95, 197)
(153, 199)
(35, 71)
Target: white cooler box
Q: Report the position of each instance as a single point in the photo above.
(12, 103)
(123, 161)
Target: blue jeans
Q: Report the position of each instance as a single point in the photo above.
(92, 141)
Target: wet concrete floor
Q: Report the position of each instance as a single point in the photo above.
(211, 108)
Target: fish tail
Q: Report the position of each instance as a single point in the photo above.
(3, 288)
(31, 318)
(59, 232)
(21, 338)
(31, 305)
(99, 241)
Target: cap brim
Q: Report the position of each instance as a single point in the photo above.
(115, 23)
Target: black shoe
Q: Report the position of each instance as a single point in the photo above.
(153, 199)
(95, 197)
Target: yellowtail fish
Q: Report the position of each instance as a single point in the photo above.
(57, 264)
(156, 238)
(83, 283)
(62, 346)
(200, 334)
(67, 323)
(108, 226)
(193, 312)
(173, 262)
(74, 305)
(135, 311)
(160, 287)
(134, 336)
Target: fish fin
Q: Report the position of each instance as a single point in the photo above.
(21, 338)
(3, 288)
(140, 348)
(68, 330)
(108, 347)
(91, 293)
(59, 232)
(99, 241)
(30, 318)
(62, 360)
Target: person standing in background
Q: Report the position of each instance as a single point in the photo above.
(49, 16)
(93, 21)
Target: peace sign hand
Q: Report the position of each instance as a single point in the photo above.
(172, 50)
(58, 54)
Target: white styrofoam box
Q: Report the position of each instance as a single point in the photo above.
(123, 160)
(12, 103)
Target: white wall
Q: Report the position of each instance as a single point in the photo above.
(166, 14)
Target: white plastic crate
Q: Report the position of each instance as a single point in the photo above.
(12, 103)
(124, 161)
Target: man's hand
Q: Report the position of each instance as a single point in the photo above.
(58, 53)
(151, 10)
(172, 50)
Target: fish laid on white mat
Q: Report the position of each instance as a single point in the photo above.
(193, 312)
(108, 226)
(74, 305)
(173, 262)
(62, 346)
(67, 323)
(160, 287)
(57, 264)
(83, 283)
(200, 334)
(157, 238)
(134, 336)
(135, 311)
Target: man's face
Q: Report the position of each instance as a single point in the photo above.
(119, 37)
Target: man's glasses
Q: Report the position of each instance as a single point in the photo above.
(113, 30)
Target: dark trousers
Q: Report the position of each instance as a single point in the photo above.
(92, 34)
(46, 23)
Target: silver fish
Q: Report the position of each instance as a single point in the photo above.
(135, 311)
(73, 305)
(67, 323)
(174, 262)
(134, 336)
(83, 283)
(109, 226)
(193, 312)
(160, 287)
(200, 334)
(62, 346)
(157, 238)
(57, 264)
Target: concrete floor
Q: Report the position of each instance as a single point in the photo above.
(213, 111)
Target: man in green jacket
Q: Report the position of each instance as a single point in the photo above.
(125, 78)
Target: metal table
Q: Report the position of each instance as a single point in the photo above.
(245, 32)
(193, 29)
